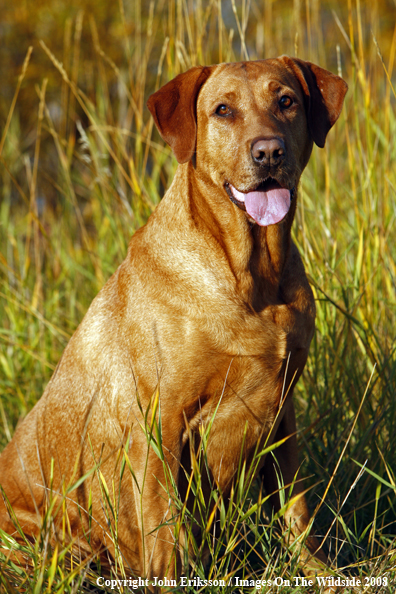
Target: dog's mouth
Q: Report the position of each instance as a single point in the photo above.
(267, 204)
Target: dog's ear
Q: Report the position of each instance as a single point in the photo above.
(174, 108)
(324, 94)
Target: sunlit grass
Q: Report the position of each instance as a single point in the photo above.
(84, 173)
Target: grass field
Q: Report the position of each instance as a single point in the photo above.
(82, 168)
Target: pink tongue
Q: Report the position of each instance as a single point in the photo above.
(268, 208)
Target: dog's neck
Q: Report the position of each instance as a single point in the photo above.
(256, 255)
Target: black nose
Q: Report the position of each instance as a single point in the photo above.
(268, 151)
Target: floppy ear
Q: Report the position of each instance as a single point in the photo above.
(324, 94)
(173, 108)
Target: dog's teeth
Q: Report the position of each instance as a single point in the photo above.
(238, 195)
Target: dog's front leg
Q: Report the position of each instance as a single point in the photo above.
(297, 517)
(156, 466)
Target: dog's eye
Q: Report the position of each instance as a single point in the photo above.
(285, 101)
(223, 110)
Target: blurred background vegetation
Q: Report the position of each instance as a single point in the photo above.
(81, 168)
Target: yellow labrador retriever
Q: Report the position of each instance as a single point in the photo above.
(211, 307)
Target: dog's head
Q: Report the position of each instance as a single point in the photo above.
(250, 126)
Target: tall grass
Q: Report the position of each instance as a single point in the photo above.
(85, 171)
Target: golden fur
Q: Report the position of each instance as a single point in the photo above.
(207, 304)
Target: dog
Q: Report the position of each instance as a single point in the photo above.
(210, 315)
